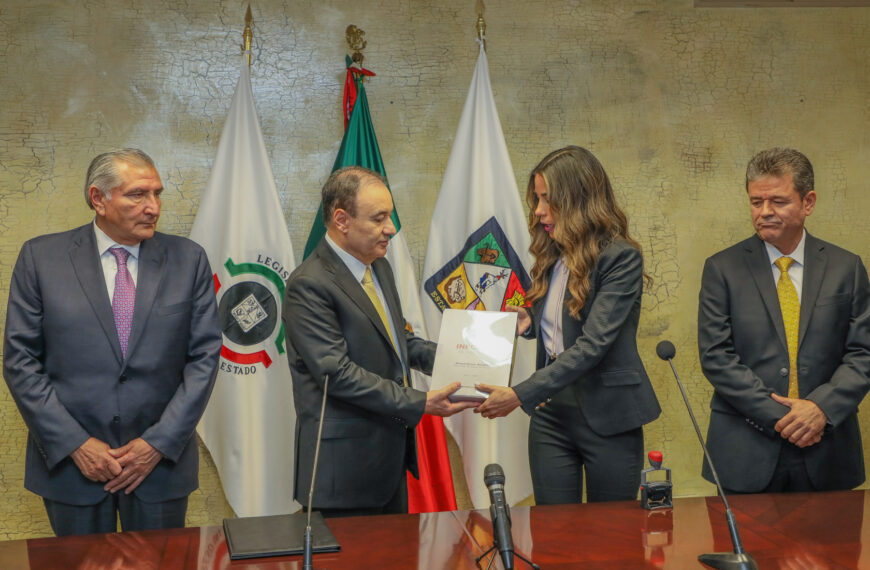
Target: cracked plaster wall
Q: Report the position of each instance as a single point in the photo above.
(672, 99)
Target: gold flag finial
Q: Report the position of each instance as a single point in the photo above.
(248, 35)
(356, 42)
(481, 23)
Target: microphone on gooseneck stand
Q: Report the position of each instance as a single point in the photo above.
(328, 364)
(722, 560)
(499, 512)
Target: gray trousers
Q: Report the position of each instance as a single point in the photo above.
(68, 519)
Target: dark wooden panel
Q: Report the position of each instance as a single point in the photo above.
(802, 530)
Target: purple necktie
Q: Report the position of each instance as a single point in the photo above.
(124, 297)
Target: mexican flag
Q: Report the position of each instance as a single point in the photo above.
(239, 223)
(359, 147)
(477, 259)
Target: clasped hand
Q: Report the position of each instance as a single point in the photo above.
(804, 423)
(122, 468)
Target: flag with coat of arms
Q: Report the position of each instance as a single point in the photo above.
(477, 259)
(250, 416)
(434, 490)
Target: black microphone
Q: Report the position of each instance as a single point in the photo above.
(739, 558)
(666, 350)
(499, 512)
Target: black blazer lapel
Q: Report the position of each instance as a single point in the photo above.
(758, 263)
(89, 272)
(537, 315)
(538, 306)
(815, 264)
(151, 268)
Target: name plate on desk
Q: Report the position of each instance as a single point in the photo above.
(474, 347)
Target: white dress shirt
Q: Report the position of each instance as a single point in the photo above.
(796, 270)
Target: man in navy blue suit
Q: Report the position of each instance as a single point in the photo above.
(110, 352)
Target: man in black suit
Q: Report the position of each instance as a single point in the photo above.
(785, 343)
(111, 350)
(344, 320)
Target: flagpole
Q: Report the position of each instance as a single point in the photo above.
(248, 35)
(481, 23)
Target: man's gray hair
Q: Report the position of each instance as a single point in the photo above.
(779, 162)
(341, 189)
(103, 171)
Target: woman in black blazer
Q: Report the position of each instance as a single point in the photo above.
(590, 395)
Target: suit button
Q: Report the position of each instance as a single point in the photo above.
(783, 372)
(116, 420)
(123, 378)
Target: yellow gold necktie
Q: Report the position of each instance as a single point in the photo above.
(791, 314)
(369, 287)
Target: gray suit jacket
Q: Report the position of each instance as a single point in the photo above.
(600, 366)
(62, 360)
(741, 339)
(333, 329)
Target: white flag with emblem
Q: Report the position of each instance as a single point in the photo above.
(249, 422)
(477, 259)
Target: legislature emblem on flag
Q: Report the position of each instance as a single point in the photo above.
(485, 275)
(249, 307)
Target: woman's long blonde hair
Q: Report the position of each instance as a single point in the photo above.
(586, 217)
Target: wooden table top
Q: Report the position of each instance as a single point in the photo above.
(802, 530)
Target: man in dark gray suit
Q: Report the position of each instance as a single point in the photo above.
(111, 350)
(785, 343)
(344, 320)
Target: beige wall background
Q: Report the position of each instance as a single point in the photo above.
(672, 99)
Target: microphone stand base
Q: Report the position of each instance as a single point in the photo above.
(729, 561)
(495, 554)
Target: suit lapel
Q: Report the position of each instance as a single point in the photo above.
(151, 269)
(758, 264)
(537, 317)
(815, 263)
(345, 280)
(89, 272)
(538, 312)
(391, 295)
